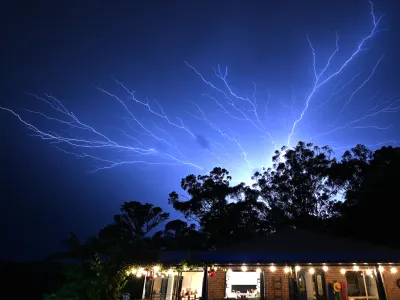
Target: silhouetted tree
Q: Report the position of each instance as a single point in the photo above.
(128, 233)
(296, 188)
(370, 182)
(179, 235)
(224, 213)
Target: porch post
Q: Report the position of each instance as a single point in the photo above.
(262, 285)
(379, 284)
(204, 290)
(144, 288)
(170, 287)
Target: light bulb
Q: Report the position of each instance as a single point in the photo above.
(343, 271)
(297, 268)
(325, 268)
(134, 271)
(258, 270)
(312, 271)
(286, 270)
(356, 268)
(393, 270)
(272, 268)
(156, 268)
(368, 272)
(244, 268)
(381, 269)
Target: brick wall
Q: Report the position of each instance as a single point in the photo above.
(276, 285)
(216, 285)
(392, 290)
(333, 274)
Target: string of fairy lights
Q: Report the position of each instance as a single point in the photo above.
(160, 271)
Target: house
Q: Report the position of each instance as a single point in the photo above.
(286, 265)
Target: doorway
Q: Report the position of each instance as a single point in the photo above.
(301, 285)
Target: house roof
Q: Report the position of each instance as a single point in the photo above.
(294, 246)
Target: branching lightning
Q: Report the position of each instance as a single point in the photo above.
(98, 140)
(320, 83)
(234, 125)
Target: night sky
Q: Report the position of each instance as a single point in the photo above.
(90, 55)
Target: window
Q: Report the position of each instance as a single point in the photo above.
(361, 285)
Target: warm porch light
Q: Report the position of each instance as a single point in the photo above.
(272, 268)
(244, 268)
(356, 268)
(312, 271)
(368, 272)
(141, 270)
(156, 268)
(297, 268)
(258, 270)
(170, 271)
(286, 270)
(393, 270)
(325, 268)
(381, 269)
(343, 271)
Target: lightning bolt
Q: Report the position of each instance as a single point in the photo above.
(98, 140)
(232, 137)
(392, 107)
(320, 81)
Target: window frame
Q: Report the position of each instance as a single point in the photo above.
(367, 296)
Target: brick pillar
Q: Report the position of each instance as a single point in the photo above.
(216, 285)
(389, 279)
(276, 285)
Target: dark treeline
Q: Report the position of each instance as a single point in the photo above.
(300, 190)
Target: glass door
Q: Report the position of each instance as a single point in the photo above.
(301, 285)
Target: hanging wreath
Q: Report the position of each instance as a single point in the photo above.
(398, 282)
